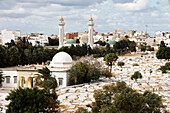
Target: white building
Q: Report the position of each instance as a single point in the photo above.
(7, 36)
(26, 76)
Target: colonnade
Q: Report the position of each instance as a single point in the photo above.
(25, 82)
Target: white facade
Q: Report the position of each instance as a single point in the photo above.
(138, 33)
(10, 79)
(7, 36)
(90, 39)
(61, 32)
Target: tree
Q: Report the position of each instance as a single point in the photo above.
(120, 98)
(77, 41)
(30, 101)
(48, 82)
(110, 58)
(163, 53)
(132, 46)
(3, 56)
(150, 49)
(14, 56)
(44, 73)
(82, 110)
(136, 75)
(1, 79)
(120, 64)
(163, 69)
(78, 72)
(85, 71)
(162, 44)
(126, 36)
(168, 65)
(143, 48)
(53, 42)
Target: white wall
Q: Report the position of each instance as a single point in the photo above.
(63, 75)
(11, 74)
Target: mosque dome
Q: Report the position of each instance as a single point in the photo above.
(111, 42)
(70, 41)
(84, 37)
(61, 59)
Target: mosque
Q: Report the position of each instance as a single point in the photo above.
(88, 39)
(25, 76)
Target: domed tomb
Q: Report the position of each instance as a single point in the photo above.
(61, 60)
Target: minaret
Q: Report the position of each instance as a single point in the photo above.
(61, 32)
(146, 28)
(90, 38)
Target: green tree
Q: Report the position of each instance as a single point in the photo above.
(3, 56)
(1, 79)
(120, 64)
(163, 69)
(136, 75)
(77, 41)
(168, 65)
(14, 56)
(85, 71)
(143, 48)
(110, 58)
(120, 98)
(44, 73)
(48, 82)
(132, 46)
(150, 49)
(30, 101)
(162, 44)
(163, 53)
(79, 73)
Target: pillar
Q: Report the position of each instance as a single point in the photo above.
(30, 80)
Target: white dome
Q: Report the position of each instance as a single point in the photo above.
(61, 59)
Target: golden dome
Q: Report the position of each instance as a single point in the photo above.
(61, 19)
(91, 19)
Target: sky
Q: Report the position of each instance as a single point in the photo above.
(42, 16)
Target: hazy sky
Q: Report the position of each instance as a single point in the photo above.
(43, 15)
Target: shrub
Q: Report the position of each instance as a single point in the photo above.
(135, 64)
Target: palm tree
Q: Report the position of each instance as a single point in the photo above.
(48, 82)
(45, 73)
(110, 58)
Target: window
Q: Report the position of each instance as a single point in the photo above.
(7, 79)
(15, 79)
(60, 81)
